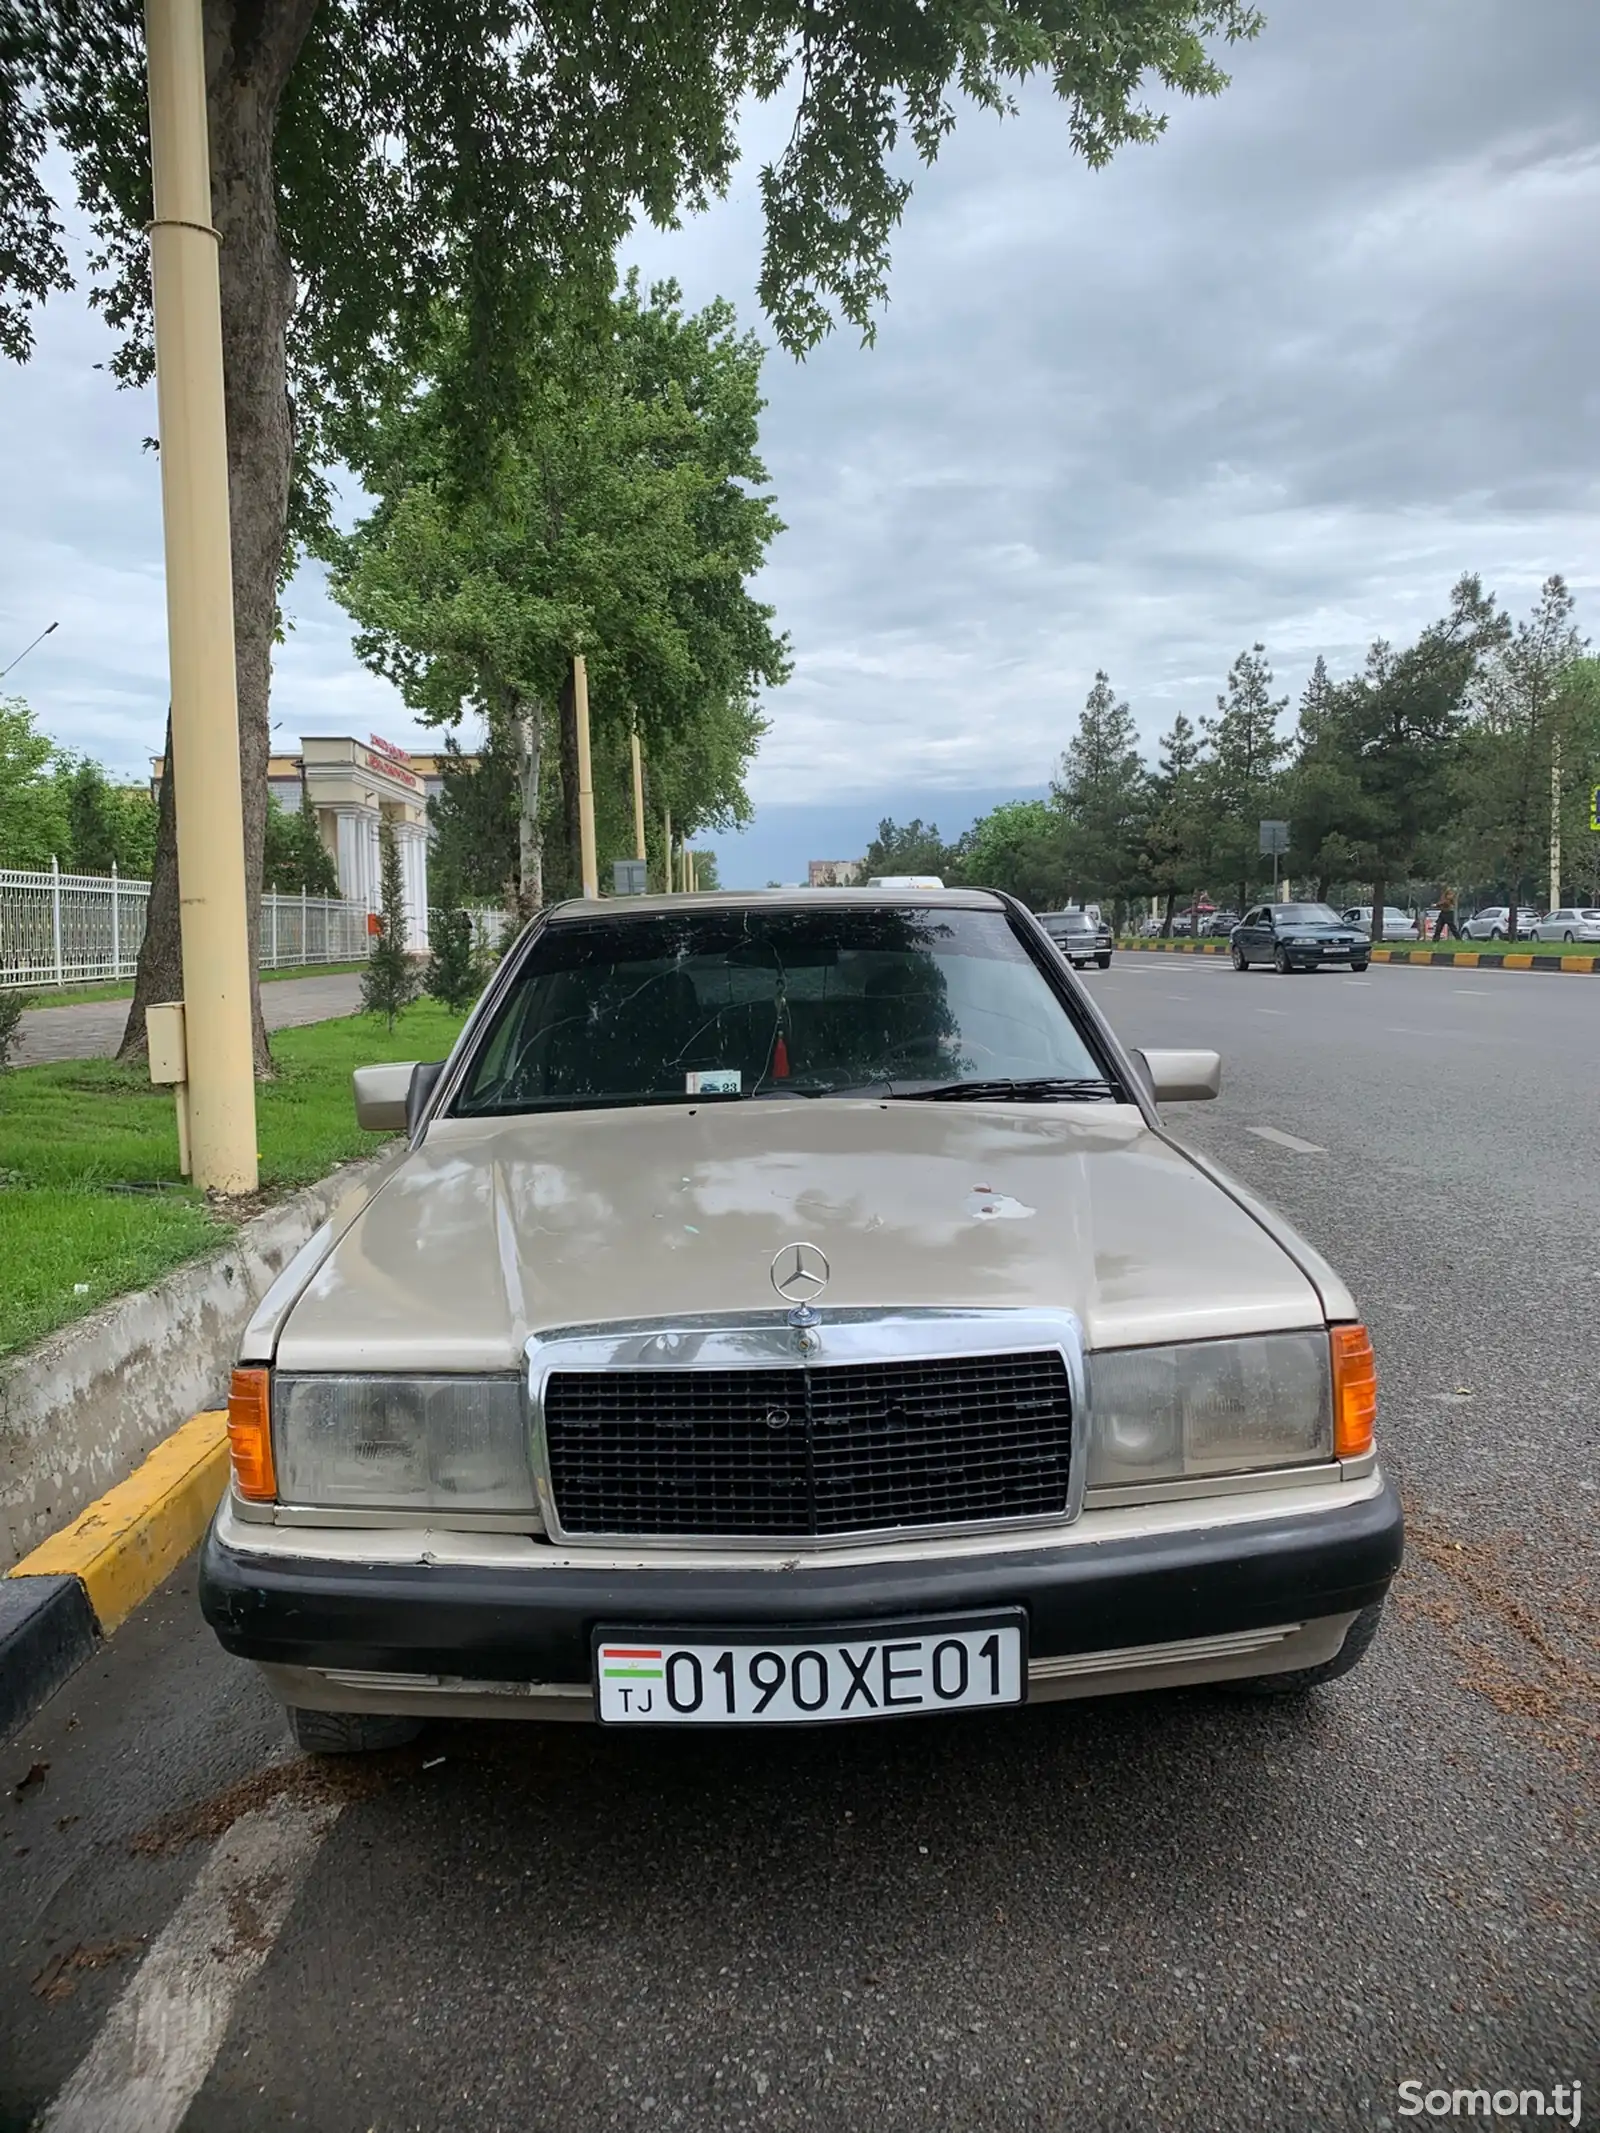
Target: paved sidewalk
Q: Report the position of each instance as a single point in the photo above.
(94, 1031)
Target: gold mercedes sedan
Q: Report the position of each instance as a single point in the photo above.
(785, 1309)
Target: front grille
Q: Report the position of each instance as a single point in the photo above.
(792, 1453)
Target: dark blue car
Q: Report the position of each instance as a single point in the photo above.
(1298, 937)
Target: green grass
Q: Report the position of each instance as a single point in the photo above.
(87, 995)
(72, 1134)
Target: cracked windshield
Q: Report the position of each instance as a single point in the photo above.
(774, 1004)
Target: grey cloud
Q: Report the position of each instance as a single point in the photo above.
(1283, 375)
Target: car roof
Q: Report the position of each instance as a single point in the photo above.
(579, 907)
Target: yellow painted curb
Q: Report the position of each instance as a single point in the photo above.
(1516, 962)
(128, 1539)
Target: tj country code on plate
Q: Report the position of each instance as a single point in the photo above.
(877, 1672)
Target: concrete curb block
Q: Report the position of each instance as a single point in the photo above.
(80, 1410)
(84, 1582)
(1468, 959)
(47, 1631)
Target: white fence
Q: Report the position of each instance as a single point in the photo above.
(76, 929)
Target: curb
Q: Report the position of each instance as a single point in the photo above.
(1441, 959)
(81, 1585)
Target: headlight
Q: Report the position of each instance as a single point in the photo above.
(403, 1443)
(1209, 1407)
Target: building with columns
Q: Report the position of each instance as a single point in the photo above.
(352, 787)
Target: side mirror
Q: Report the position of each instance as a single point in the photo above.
(381, 1093)
(1183, 1077)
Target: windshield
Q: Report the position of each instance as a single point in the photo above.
(729, 1004)
(1310, 914)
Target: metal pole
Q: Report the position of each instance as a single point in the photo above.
(116, 926)
(638, 799)
(273, 907)
(666, 849)
(205, 711)
(55, 912)
(580, 698)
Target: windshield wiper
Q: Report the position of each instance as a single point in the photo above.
(1043, 1089)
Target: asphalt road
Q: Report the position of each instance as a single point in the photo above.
(93, 1029)
(1179, 1912)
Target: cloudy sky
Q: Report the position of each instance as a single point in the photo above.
(1284, 375)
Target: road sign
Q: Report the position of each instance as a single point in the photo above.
(628, 877)
(1274, 837)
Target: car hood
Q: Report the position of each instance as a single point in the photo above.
(492, 1230)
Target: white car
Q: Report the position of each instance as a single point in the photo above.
(1397, 925)
(1574, 922)
(1494, 924)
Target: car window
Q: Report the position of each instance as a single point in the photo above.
(1309, 914)
(730, 1003)
(1587, 912)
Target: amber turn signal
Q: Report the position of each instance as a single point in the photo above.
(1355, 1391)
(250, 1435)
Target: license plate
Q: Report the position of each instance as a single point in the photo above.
(741, 1678)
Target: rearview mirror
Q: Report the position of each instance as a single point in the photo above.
(381, 1093)
(1183, 1077)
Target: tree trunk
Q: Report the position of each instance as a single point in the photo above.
(572, 836)
(1380, 892)
(1166, 916)
(160, 971)
(527, 725)
(250, 51)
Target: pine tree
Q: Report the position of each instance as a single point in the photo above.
(1175, 833)
(455, 976)
(1101, 792)
(390, 982)
(1242, 771)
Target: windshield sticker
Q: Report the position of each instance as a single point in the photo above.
(713, 1081)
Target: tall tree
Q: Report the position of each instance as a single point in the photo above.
(1320, 795)
(913, 847)
(624, 518)
(1396, 729)
(34, 823)
(1176, 837)
(1018, 847)
(1244, 753)
(377, 161)
(1529, 703)
(1100, 792)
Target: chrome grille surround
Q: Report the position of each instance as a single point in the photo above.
(758, 1340)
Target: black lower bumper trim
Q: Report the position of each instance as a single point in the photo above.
(535, 1624)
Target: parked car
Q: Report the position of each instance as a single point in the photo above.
(1398, 925)
(1217, 925)
(1082, 938)
(1299, 937)
(789, 1308)
(1573, 922)
(1494, 924)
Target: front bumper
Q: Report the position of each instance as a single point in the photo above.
(1258, 1590)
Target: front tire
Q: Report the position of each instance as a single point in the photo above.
(1569, 935)
(1357, 1641)
(349, 1732)
(1496, 934)
(1359, 967)
(1103, 962)
(1239, 962)
(1281, 963)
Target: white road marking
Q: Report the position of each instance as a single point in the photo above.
(1285, 1140)
(145, 2067)
(1272, 1010)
